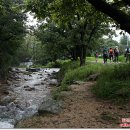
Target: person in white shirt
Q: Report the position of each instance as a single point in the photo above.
(127, 53)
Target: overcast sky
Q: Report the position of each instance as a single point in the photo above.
(31, 21)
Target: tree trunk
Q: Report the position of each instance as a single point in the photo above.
(82, 55)
(74, 54)
(82, 47)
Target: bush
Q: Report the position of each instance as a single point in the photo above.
(66, 66)
(53, 65)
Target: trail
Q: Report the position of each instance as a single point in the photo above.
(81, 109)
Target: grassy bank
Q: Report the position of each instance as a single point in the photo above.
(80, 73)
(71, 72)
(114, 83)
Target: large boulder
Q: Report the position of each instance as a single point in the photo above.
(93, 77)
(78, 82)
(30, 111)
(6, 100)
(53, 82)
(50, 105)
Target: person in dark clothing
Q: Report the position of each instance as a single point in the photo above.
(105, 55)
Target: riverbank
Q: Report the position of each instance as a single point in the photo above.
(81, 109)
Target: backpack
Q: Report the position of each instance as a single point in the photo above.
(111, 51)
(105, 52)
(116, 50)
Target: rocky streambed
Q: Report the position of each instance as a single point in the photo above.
(28, 92)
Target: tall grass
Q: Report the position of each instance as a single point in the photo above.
(114, 83)
(122, 58)
(81, 73)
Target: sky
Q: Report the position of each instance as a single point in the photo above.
(119, 35)
(31, 21)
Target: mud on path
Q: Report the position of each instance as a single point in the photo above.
(81, 109)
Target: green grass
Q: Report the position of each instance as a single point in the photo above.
(121, 58)
(92, 59)
(100, 60)
(80, 73)
(114, 83)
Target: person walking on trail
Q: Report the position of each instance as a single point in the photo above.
(116, 54)
(105, 55)
(96, 56)
(127, 54)
(111, 53)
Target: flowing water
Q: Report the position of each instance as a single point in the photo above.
(27, 91)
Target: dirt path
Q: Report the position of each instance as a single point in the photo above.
(81, 110)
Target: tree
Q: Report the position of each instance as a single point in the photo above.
(106, 43)
(80, 18)
(12, 31)
(55, 44)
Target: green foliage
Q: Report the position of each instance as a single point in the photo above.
(12, 32)
(79, 20)
(65, 67)
(122, 58)
(114, 83)
(54, 65)
(105, 42)
(30, 49)
(124, 40)
(54, 42)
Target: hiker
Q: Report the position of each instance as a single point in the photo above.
(111, 54)
(127, 54)
(116, 54)
(105, 55)
(96, 56)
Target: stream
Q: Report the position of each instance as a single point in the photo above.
(27, 90)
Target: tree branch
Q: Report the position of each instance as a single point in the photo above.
(117, 15)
